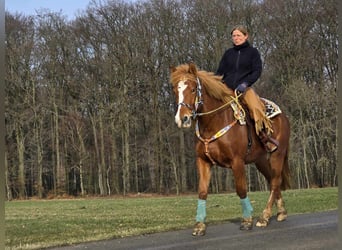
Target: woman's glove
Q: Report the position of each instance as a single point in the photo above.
(241, 88)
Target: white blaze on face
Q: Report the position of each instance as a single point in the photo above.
(181, 87)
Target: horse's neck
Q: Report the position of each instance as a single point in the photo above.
(211, 123)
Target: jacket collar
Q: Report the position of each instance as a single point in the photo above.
(241, 46)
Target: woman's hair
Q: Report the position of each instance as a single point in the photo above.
(240, 28)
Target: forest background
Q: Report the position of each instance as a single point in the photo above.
(89, 108)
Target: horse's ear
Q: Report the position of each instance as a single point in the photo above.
(172, 69)
(192, 68)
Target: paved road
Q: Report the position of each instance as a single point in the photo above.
(298, 232)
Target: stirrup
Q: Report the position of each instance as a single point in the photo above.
(270, 144)
(270, 147)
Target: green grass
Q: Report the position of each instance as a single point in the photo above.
(42, 223)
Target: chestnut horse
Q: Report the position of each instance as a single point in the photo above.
(224, 141)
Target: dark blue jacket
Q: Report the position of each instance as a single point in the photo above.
(240, 64)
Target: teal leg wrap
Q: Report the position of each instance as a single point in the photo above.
(201, 210)
(247, 208)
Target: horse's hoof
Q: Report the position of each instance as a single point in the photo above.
(281, 216)
(199, 229)
(246, 224)
(262, 222)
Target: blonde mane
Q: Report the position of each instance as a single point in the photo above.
(211, 82)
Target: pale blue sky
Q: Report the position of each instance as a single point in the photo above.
(70, 8)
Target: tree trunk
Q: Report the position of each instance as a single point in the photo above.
(126, 157)
(136, 163)
(174, 166)
(183, 167)
(113, 159)
(305, 141)
(152, 169)
(7, 180)
(219, 179)
(98, 160)
(60, 170)
(159, 147)
(102, 154)
(82, 156)
(305, 161)
(21, 165)
(37, 128)
(40, 187)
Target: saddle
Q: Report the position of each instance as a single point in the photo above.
(271, 111)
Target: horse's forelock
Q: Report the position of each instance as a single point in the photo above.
(181, 72)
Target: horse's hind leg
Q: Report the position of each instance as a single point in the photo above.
(263, 166)
(279, 162)
(264, 219)
(274, 177)
(282, 213)
(275, 197)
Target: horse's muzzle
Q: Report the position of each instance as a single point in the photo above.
(184, 122)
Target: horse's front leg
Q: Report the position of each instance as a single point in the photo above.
(204, 173)
(238, 167)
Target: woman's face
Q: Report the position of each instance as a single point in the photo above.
(238, 37)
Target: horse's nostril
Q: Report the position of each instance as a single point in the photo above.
(185, 119)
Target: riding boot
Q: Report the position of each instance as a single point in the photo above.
(270, 144)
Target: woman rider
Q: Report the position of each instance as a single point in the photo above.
(241, 67)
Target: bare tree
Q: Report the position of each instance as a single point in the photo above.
(89, 108)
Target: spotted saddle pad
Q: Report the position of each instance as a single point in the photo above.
(272, 109)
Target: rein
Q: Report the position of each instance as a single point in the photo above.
(200, 101)
(213, 111)
(233, 99)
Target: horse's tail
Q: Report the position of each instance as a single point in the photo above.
(285, 173)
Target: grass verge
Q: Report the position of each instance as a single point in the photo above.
(38, 224)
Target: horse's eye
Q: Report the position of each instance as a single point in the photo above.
(193, 90)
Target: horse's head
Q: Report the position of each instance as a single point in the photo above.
(185, 87)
